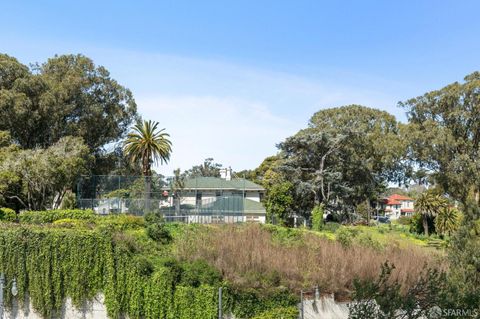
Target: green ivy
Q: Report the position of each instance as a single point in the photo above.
(279, 313)
(51, 263)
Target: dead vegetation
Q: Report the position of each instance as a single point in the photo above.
(262, 257)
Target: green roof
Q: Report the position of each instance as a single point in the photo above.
(251, 205)
(221, 184)
(234, 203)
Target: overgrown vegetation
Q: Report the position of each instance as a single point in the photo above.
(270, 256)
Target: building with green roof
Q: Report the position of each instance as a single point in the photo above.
(233, 200)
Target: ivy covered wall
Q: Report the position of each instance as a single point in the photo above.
(51, 263)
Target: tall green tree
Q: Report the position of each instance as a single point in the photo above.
(145, 145)
(345, 157)
(447, 221)
(445, 130)
(40, 178)
(207, 169)
(66, 96)
(429, 205)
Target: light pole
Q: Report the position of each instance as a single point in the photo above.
(14, 291)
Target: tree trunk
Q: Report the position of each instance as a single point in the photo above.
(425, 225)
(148, 189)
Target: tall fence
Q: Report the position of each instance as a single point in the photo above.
(196, 199)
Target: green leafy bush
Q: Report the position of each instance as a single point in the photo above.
(7, 214)
(416, 224)
(279, 313)
(331, 227)
(317, 218)
(156, 228)
(199, 272)
(404, 220)
(70, 223)
(284, 235)
(345, 236)
(121, 221)
(49, 216)
(366, 240)
(383, 297)
(248, 303)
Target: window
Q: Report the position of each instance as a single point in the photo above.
(199, 198)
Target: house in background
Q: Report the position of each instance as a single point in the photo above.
(397, 205)
(206, 199)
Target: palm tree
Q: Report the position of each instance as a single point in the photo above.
(147, 145)
(428, 205)
(447, 221)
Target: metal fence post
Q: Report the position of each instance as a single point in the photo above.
(301, 304)
(220, 315)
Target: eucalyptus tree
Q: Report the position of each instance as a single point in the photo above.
(446, 128)
(145, 145)
(66, 96)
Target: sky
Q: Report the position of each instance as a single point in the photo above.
(232, 79)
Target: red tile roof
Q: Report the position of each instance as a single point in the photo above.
(399, 197)
(393, 202)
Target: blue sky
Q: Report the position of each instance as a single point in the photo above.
(230, 80)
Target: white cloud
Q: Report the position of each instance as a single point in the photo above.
(239, 133)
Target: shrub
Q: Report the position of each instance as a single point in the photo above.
(121, 221)
(70, 223)
(345, 236)
(249, 302)
(416, 224)
(331, 227)
(8, 214)
(366, 240)
(384, 298)
(49, 216)
(404, 220)
(156, 228)
(279, 313)
(199, 272)
(317, 217)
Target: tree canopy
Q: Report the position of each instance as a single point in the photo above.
(66, 96)
(345, 157)
(445, 129)
(207, 169)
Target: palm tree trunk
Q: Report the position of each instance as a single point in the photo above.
(425, 225)
(148, 190)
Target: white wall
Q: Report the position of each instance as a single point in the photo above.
(93, 310)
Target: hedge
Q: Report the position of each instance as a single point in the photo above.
(49, 216)
(7, 214)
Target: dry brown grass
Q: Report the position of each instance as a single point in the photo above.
(249, 255)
